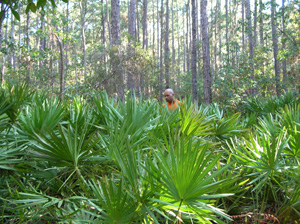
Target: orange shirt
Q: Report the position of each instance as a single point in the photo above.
(172, 105)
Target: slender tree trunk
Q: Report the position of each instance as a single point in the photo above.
(108, 25)
(184, 48)
(19, 51)
(13, 56)
(285, 78)
(37, 43)
(173, 41)
(161, 52)
(226, 20)
(198, 49)
(137, 30)
(115, 34)
(194, 52)
(132, 38)
(250, 41)
(220, 33)
(255, 25)
(145, 29)
(243, 24)
(145, 40)
(42, 40)
(62, 78)
(28, 67)
(2, 16)
(76, 74)
(66, 44)
(187, 37)
(261, 23)
(215, 49)
(275, 47)
(3, 55)
(167, 49)
(205, 49)
(261, 35)
(83, 9)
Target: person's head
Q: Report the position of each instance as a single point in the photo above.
(169, 95)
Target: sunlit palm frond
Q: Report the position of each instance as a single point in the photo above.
(188, 177)
(40, 117)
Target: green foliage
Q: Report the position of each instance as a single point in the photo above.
(103, 161)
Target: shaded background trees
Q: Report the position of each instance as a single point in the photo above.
(251, 47)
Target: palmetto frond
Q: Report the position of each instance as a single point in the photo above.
(188, 177)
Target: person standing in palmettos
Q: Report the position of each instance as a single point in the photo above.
(172, 103)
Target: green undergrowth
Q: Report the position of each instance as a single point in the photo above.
(99, 160)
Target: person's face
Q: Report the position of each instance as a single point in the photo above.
(169, 96)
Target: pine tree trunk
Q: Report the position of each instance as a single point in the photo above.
(285, 78)
(187, 37)
(145, 29)
(115, 38)
(275, 48)
(12, 56)
(28, 49)
(19, 52)
(261, 23)
(132, 38)
(205, 49)
(61, 70)
(161, 52)
(215, 48)
(66, 44)
(255, 25)
(243, 26)
(2, 16)
(108, 25)
(194, 52)
(250, 42)
(145, 40)
(83, 6)
(3, 56)
(42, 40)
(173, 41)
(167, 49)
(226, 20)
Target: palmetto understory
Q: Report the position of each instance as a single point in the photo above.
(104, 161)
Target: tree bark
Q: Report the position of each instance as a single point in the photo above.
(83, 9)
(28, 67)
(187, 37)
(285, 78)
(173, 41)
(161, 53)
(42, 39)
(243, 24)
(12, 34)
(255, 25)
(226, 20)
(275, 48)
(19, 51)
(194, 52)
(250, 42)
(205, 49)
(3, 55)
(66, 44)
(145, 27)
(62, 78)
(115, 38)
(167, 49)
(261, 23)
(132, 40)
